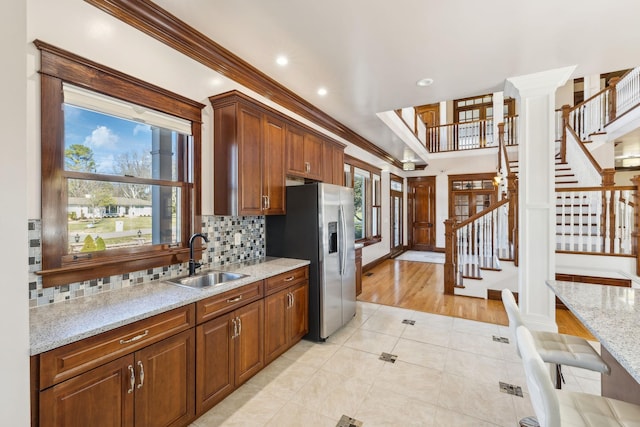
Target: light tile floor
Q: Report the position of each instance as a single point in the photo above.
(446, 374)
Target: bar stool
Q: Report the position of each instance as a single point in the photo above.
(555, 408)
(559, 349)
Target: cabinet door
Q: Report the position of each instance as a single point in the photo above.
(102, 397)
(275, 324)
(295, 151)
(250, 200)
(165, 382)
(298, 312)
(273, 170)
(249, 342)
(338, 166)
(313, 156)
(214, 362)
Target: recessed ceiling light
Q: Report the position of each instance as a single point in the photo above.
(282, 60)
(425, 82)
(322, 91)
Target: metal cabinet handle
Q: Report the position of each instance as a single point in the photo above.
(239, 326)
(307, 167)
(235, 328)
(268, 202)
(141, 374)
(290, 278)
(293, 299)
(136, 338)
(236, 299)
(132, 379)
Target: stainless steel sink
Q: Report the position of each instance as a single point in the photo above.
(209, 278)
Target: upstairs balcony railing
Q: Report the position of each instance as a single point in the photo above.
(469, 135)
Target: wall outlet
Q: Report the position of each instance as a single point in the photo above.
(237, 238)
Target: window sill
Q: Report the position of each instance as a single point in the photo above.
(93, 269)
(370, 241)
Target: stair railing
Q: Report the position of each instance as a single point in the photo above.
(477, 242)
(460, 136)
(627, 93)
(597, 220)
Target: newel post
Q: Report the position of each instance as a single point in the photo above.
(449, 256)
(565, 122)
(608, 175)
(635, 236)
(613, 98)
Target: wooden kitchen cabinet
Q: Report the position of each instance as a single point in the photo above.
(151, 387)
(286, 312)
(333, 163)
(304, 154)
(229, 352)
(249, 150)
(358, 271)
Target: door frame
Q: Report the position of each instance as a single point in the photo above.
(411, 210)
(395, 250)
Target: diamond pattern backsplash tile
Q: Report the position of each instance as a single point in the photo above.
(231, 240)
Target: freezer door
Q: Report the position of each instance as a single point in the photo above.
(330, 280)
(347, 212)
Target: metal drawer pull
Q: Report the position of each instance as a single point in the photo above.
(141, 374)
(290, 278)
(132, 379)
(235, 328)
(239, 326)
(136, 338)
(236, 299)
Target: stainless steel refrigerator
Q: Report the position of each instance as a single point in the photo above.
(318, 226)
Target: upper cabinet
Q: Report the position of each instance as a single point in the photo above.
(248, 158)
(304, 154)
(333, 171)
(255, 148)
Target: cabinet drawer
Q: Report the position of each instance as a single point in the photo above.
(281, 281)
(227, 301)
(72, 359)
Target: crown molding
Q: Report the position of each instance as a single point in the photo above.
(156, 22)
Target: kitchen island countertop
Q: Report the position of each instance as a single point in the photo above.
(611, 314)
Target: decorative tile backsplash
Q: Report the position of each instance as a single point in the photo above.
(222, 231)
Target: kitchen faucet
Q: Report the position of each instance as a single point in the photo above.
(193, 264)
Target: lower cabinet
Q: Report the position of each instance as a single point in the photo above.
(151, 387)
(229, 352)
(286, 319)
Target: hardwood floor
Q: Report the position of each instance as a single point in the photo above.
(420, 286)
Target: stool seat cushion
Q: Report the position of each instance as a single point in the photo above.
(568, 350)
(588, 410)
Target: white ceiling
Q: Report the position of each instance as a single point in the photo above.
(370, 53)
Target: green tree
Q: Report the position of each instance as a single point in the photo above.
(79, 157)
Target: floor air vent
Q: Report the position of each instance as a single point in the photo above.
(515, 390)
(347, 421)
(501, 339)
(409, 322)
(387, 357)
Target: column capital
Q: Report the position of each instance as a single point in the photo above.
(537, 84)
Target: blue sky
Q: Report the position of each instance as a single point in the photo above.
(106, 135)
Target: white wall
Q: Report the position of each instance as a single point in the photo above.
(14, 357)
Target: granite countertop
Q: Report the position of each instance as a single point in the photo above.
(55, 325)
(611, 313)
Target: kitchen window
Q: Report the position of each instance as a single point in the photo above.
(120, 171)
(365, 181)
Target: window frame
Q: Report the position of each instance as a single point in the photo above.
(351, 164)
(58, 67)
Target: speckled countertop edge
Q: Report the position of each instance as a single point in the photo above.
(611, 314)
(58, 324)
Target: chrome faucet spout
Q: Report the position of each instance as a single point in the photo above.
(193, 264)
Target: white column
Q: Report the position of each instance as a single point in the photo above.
(498, 115)
(14, 167)
(591, 85)
(535, 94)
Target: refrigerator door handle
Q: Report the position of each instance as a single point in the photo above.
(343, 250)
